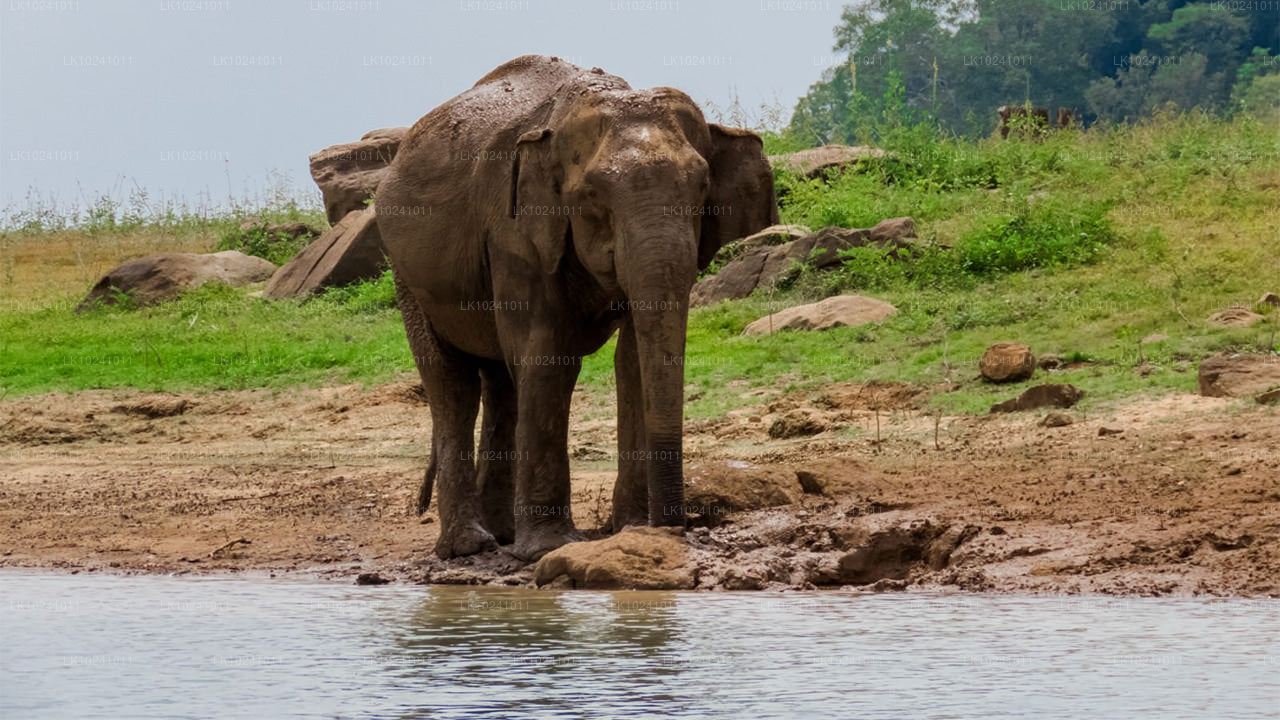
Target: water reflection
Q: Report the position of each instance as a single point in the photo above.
(97, 647)
(513, 650)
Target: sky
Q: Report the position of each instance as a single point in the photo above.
(192, 99)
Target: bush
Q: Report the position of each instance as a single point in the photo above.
(1040, 235)
(259, 242)
(367, 296)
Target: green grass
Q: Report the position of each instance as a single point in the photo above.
(1080, 245)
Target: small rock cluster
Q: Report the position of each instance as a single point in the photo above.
(761, 261)
(875, 547)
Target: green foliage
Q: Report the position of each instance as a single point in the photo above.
(257, 241)
(1044, 235)
(1081, 244)
(957, 62)
(373, 295)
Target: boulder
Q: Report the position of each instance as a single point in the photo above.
(1239, 375)
(812, 163)
(715, 489)
(901, 551)
(1007, 362)
(768, 237)
(1058, 395)
(349, 252)
(764, 265)
(1235, 317)
(833, 312)
(894, 231)
(638, 558)
(774, 235)
(156, 278)
(348, 174)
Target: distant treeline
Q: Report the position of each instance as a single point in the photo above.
(955, 61)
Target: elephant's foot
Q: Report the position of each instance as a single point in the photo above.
(622, 518)
(466, 539)
(534, 542)
(501, 524)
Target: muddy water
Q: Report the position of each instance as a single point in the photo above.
(94, 646)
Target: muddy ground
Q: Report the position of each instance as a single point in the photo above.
(1172, 495)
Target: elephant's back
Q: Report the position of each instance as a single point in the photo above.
(505, 102)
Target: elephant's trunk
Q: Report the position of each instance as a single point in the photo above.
(657, 273)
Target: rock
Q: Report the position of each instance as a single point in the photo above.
(736, 280)
(371, 579)
(389, 133)
(291, 230)
(1105, 431)
(157, 278)
(350, 251)
(893, 553)
(1053, 420)
(1268, 298)
(1235, 317)
(833, 312)
(814, 162)
(1271, 397)
(348, 174)
(795, 424)
(893, 230)
(768, 237)
(1007, 362)
(1059, 395)
(638, 558)
(1048, 361)
(1239, 375)
(715, 489)
(764, 266)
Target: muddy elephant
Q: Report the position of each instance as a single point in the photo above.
(1029, 121)
(527, 220)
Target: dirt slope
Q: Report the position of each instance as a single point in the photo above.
(1185, 498)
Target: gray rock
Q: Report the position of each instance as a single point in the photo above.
(833, 312)
(764, 266)
(814, 162)
(1059, 395)
(349, 252)
(348, 174)
(156, 278)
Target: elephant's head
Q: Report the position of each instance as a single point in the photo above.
(637, 188)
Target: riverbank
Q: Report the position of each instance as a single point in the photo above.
(1166, 494)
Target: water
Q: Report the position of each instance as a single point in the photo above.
(81, 646)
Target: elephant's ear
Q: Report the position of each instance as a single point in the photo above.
(535, 198)
(741, 200)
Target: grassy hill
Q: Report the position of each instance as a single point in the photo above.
(1109, 247)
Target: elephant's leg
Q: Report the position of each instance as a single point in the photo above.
(424, 351)
(543, 519)
(631, 489)
(452, 385)
(428, 479)
(496, 464)
(454, 394)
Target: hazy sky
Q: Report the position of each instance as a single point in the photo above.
(184, 97)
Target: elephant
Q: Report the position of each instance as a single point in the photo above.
(527, 220)
(1033, 121)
